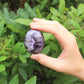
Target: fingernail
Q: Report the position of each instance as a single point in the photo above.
(36, 19)
(34, 57)
(32, 23)
(34, 26)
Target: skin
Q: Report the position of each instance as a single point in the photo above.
(70, 60)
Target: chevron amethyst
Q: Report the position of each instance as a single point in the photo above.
(34, 41)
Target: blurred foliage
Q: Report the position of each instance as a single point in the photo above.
(16, 67)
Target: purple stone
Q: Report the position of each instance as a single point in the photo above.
(34, 41)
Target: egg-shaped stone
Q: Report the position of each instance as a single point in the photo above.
(34, 41)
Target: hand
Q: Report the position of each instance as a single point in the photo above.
(70, 60)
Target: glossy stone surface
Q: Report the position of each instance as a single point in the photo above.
(34, 41)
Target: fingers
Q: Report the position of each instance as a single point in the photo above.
(36, 19)
(42, 25)
(47, 61)
(62, 34)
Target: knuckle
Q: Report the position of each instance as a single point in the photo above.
(73, 42)
(55, 22)
(73, 38)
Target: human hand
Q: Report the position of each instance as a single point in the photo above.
(70, 60)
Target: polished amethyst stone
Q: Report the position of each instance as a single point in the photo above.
(34, 41)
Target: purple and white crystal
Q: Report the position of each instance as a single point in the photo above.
(34, 41)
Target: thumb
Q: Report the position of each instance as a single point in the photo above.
(53, 63)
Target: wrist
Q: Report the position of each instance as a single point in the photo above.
(80, 72)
